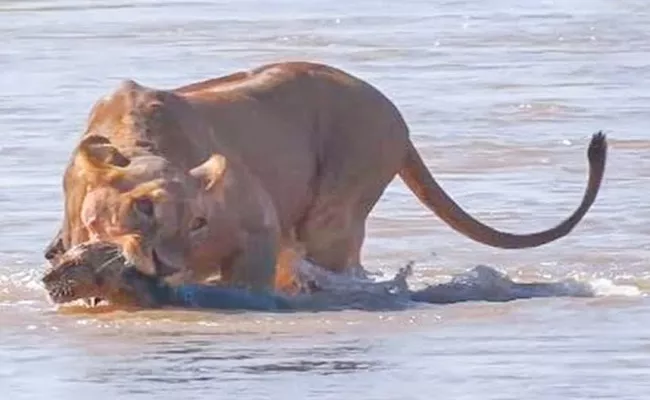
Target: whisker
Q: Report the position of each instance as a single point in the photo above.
(107, 262)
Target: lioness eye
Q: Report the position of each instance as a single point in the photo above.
(198, 223)
(145, 206)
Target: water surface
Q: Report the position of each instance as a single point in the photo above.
(502, 97)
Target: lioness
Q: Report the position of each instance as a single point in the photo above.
(223, 175)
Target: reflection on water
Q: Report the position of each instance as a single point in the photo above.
(502, 97)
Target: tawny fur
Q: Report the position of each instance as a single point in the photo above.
(237, 174)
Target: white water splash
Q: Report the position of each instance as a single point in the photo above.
(481, 283)
(604, 288)
(26, 280)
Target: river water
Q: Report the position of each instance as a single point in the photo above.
(502, 97)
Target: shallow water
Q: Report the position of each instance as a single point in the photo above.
(502, 97)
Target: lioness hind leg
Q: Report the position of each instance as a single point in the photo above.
(356, 168)
(333, 231)
(332, 236)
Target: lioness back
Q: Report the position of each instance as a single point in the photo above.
(298, 124)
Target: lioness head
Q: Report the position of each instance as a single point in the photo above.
(159, 213)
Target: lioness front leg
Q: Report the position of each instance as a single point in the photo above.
(254, 266)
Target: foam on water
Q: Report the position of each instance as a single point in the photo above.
(606, 287)
(20, 285)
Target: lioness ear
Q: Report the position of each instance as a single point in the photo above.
(98, 158)
(211, 171)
